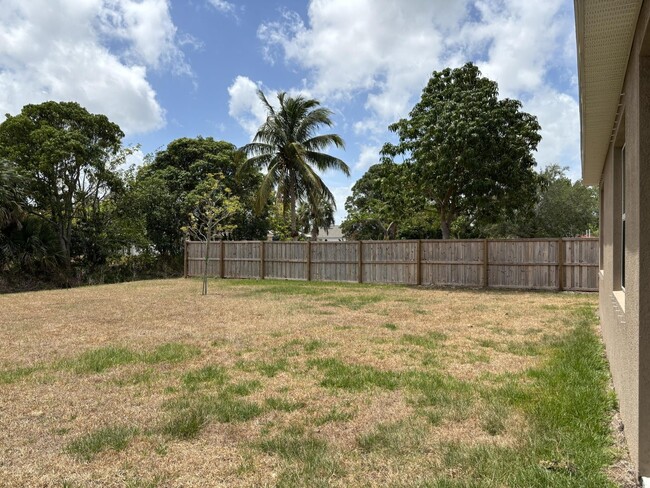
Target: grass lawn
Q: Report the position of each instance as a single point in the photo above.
(275, 383)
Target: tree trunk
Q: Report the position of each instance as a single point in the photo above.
(444, 227)
(204, 289)
(314, 232)
(292, 209)
(65, 252)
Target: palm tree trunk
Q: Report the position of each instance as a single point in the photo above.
(292, 209)
(314, 232)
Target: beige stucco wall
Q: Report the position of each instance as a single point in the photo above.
(625, 315)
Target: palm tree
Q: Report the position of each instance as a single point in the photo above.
(316, 214)
(288, 147)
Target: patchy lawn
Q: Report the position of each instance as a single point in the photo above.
(275, 383)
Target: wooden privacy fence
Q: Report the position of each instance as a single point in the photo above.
(545, 264)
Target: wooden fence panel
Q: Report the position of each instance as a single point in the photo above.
(523, 264)
(511, 263)
(334, 261)
(455, 263)
(285, 260)
(195, 259)
(580, 266)
(242, 259)
(390, 262)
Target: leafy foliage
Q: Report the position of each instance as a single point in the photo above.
(288, 146)
(561, 208)
(68, 157)
(163, 187)
(385, 204)
(471, 152)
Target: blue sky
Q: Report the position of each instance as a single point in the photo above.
(167, 69)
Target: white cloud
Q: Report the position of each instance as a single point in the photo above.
(223, 6)
(368, 156)
(244, 105)
(341, 193)
(385, 51)
(522, 38)
(559, 116)
(95, 52)
(384, 47)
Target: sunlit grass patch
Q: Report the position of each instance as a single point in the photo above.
(314, 345)
(394, 438)
(242, 388)
(335, 414)
(472, 357)
(88, 446)
(337, 374)
(185, 424)
(213, 374)
(190, 415)
(103, 358)
(9, 376)
(266, 368)
(171, 353)
(310, 461)
(282, 404)
(99, 360)
(431, 340)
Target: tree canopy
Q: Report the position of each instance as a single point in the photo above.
(164, 183)
(68, 157)
(471, 152)
(385, 204)
(561, 208)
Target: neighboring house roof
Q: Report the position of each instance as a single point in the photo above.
(604, 31)
(332, 234)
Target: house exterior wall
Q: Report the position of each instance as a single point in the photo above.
(625, 311)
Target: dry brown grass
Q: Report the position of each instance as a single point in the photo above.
(240, 326)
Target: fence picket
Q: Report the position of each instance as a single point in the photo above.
(569, 264)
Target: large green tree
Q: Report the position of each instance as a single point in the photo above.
(289, 147)
(386, 204)
(68, 157)
(472, 153)
(162, 186)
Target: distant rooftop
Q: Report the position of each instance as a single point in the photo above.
(332, 234)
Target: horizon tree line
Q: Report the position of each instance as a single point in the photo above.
(69, 213)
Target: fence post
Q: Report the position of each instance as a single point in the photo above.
(185, 261)
(222, 259)
(418, 271)
(485, 263)
(560, 265)
(308, 260)
(360, 259)
(262, 251)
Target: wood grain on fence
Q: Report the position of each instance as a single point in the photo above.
(547, 264)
